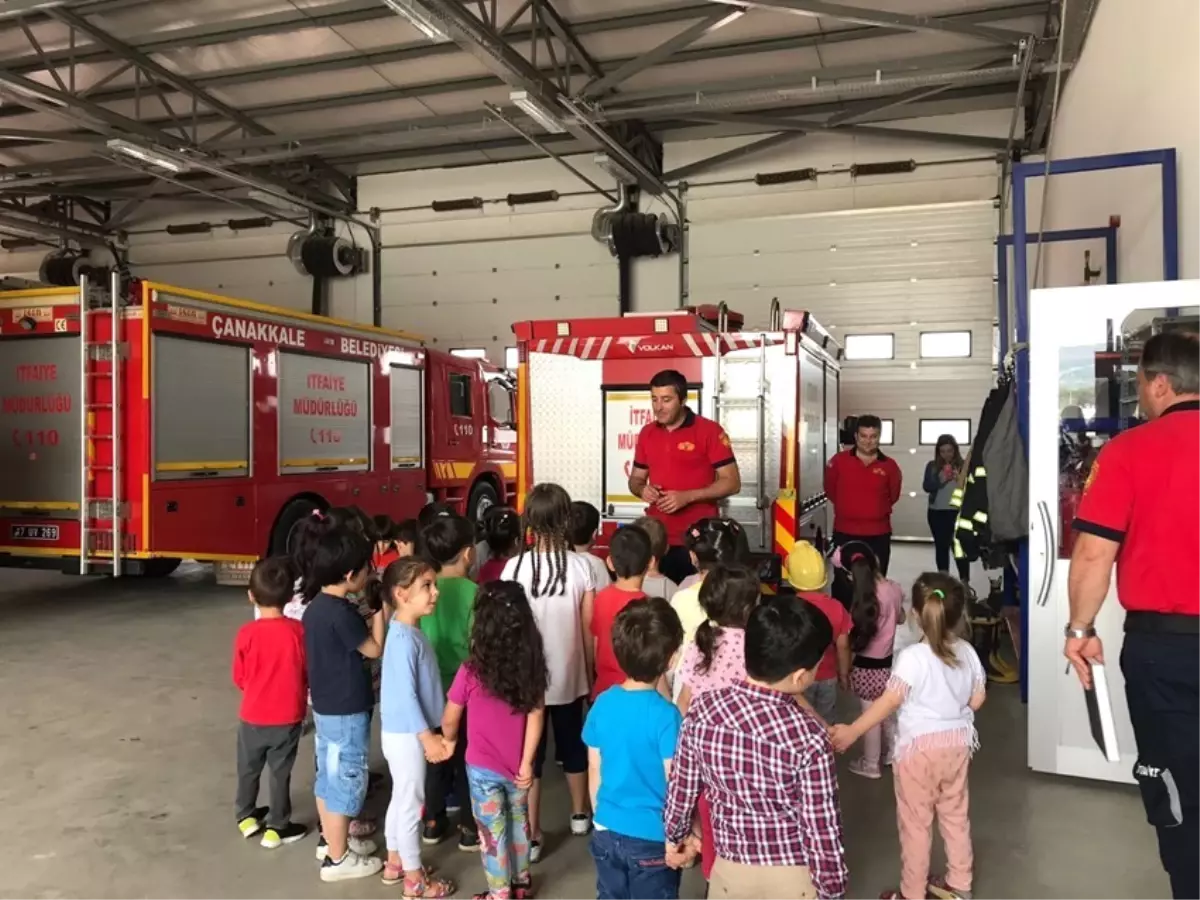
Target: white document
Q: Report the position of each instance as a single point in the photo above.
(1100, 714)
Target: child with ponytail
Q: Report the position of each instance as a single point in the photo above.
(561, 591)
(875, 609)
(717, 658)
(502, 533)
(936, 687)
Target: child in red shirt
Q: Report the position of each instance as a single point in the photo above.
(392, 541)
(804, 571)
(629, 555)
(268, 668)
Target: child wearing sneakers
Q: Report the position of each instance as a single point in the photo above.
(628, 558)
(766, 766)
(804, 573)
(935, 688)
(336, 643)
(268, 668)
(560, 586)
(656, 584)
(631, 733)
(449, 543)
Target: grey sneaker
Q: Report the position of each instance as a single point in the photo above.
(940, 889)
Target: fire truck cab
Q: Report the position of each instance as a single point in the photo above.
(583, 395)
(175, 424)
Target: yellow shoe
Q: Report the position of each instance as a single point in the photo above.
(253, 823)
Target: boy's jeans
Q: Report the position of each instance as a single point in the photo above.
(628, 868)
(823, 697)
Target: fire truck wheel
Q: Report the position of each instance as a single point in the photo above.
(159, 567)
(483, 497)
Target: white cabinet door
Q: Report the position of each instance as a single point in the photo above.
(1084, 346)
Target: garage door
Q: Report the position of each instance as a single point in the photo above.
(908, 290)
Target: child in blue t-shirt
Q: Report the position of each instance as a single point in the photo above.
(630, 734)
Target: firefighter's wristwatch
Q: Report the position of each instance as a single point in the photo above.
(1080, 633)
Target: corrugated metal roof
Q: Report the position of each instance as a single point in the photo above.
(296, 90)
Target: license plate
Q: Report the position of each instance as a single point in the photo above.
(34, 532)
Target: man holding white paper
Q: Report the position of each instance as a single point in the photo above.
(1141, 511)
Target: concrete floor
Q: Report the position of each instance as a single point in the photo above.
(118, 770)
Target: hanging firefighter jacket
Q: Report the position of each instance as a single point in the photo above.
(1008, 474)
(972, 532)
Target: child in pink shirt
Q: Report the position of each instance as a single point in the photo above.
(500, 691)
(875, 610)
(717, 658)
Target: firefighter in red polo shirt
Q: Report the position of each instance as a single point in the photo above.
(863, 485)
(1141, 510)
(682, 466)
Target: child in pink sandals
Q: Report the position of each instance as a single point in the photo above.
(410, 709)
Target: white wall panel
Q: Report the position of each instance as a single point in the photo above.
(1150, 101)
(464, 277)
(896, 271)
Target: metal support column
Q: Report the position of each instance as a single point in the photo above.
(376, 273)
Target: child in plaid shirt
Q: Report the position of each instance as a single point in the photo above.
(766, 766)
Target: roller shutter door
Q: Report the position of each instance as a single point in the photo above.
(902, 271)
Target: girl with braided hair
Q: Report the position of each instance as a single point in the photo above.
(561, 590)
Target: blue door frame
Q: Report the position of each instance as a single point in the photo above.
(1021, 173)
(1108, 234)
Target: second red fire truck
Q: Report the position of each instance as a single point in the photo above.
(176, 424)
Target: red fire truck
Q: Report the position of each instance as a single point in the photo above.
(176, 424)
(775, 391)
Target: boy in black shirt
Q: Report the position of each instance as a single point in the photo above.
(336, 641)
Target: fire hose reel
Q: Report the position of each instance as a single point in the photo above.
(638, 234)
(64, 268)
(324, 255)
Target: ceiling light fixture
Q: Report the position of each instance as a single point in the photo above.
(148, 155)
(614, 168)
(538, 111)
(419, 17)
(23, 7)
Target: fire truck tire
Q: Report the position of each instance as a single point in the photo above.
(160, 567)
(483, 497)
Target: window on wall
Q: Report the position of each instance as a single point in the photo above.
(932, 429)
(470, 352)
(460, 395)
(511, 358)
(945, 344)
(887, 434)
(870, 346)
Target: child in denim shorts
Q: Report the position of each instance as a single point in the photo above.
(336, 643)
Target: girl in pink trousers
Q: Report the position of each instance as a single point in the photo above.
(935, 687)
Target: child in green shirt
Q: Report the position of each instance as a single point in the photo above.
(449, 543)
